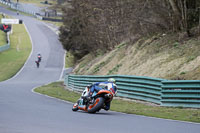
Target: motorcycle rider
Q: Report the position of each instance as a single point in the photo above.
(110, 85)
(39, 57)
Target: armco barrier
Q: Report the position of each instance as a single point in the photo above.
(143, 88)
(78, 83)
(184, 93)
(6, 46)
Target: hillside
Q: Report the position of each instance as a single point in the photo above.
(168, 56)
(157, 38)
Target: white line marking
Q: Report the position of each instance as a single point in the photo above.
(61, 75)
(49, 96)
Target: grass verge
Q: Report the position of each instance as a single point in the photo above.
(14, 58)
(184, 114)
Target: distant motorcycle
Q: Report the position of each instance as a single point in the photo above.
(37, 64)
(96, 102)
(39, 58)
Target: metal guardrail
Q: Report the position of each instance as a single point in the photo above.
(142, 88)
(184, 93)
(6, 46)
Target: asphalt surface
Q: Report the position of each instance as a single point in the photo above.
(22, 111)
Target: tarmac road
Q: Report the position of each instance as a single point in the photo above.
(22, 111)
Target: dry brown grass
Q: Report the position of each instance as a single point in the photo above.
(157, 56)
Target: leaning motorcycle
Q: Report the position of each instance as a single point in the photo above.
(96, 102)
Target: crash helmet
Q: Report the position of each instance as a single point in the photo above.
(112, 80)
(85, 92)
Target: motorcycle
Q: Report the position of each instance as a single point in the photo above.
(94, 103)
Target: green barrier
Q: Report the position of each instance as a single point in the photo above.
(177, 93)
(4, 47)
(142, 88)
(184, 93)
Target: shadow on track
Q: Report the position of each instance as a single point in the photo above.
(97, 113)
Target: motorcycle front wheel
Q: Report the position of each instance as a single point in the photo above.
(75, 106)
(97, 105)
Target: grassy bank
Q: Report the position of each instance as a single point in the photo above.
(159, 56)
(184, 114)
(14, 58)
(69, 60)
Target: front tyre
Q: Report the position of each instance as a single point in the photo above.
(97, 105)
(75, 106)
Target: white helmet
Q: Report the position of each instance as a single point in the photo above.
(85, 92)
(112, 80)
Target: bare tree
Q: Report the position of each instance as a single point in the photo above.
(184, 14)
(92, 25)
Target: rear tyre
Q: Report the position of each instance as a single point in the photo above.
(96, 106)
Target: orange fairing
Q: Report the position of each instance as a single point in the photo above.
(104, 91)
(91, 106)
(82, 108)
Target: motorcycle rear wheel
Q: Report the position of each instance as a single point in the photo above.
(96, 106)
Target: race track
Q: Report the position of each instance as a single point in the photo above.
(22, 111)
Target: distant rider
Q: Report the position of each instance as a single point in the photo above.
(39, 57)
(110, 85)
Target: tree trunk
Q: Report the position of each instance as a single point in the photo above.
(174, 7)
(199, 19)
(177, 15)
(186, 19)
